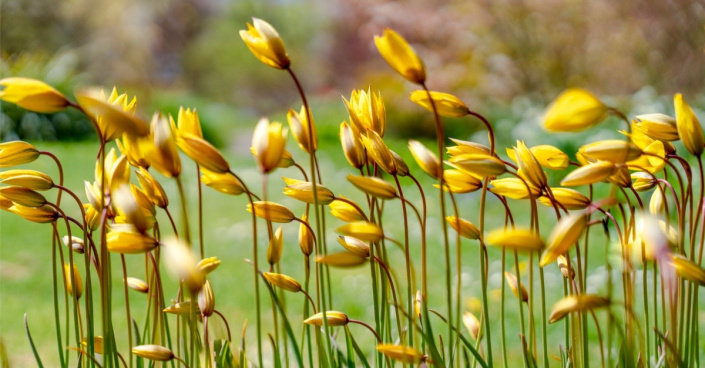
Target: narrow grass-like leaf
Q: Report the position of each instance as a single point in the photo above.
(277, 361)
(31, 343)
(357, 349)
(464, 340)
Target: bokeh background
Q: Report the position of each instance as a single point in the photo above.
(505, 58)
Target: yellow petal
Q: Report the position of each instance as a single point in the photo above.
(464, 227)
(355, 246)
(334, 318)
(404, 354)
(362, 230)
(427, 160)
(153, 352)
(373, 186)
(17, 153)
(224, 183)
(446, 104)
(30, 179)
(341, 259)
(271, 211)
(114, 116)
(689, 129)
(202, 152)
(589, 174)
(578, 303)
(283, 281)
(265, 43)
(517, 239)
(564, 235)
(612, 150)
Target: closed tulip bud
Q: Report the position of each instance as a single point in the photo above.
(472, 324)
(402, 168)
(612, 150)
(303, 191)
(514, 285)
(341, 259)
(74, 243)
(377, 150)
(23, 196)
(224, 183)
(137, 284)
(41, 215)
(188, 122)
(208, 265)
(657, 126)
(426, 159)
(564, 235)
(92, 216)
(516, 239)
(589, 174)
(164, 156)
(126, 241)
(418, 304)
(333, 318)
(182, 308)
(153, 352)
(373, 186)
(657, 201)
(355, 245)
(445, 104)
(457, 181)
(466, 147)
(127, 206)
(264, 42)
(73, 283)
(480, 165)
(352, 146)
(580, 303)
(643, 181)
(404, 354)
(202, 152)
(514, 188)
(565, 268)
(401, 56)
(152, 188)
(283, 281)
(570, 199)
(689, 129)
(276, 245)
(300, 126)
(29, 179)
(688, 270)
(268, 144)
(206, 299)
(114, 115)
(306, 239)
(17, 153)
(271, 211)
(464, 227)
(574, 110)
(182, 264)
(345, 211)
(365, 231)
(144, 203)
(32, 95)
(367, 112)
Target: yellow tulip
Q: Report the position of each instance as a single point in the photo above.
(72, 281)
(164, 156)
(224, 183)
(574, 110)
(688, 270)
(188, 122)
(206, 299)
(303, 191)
(341, 259)
(656, 126)
(333, 318)
(208, 265)
(366, 111)
(529, 167)
(300, 127)
(613, 150)
(276, 246)
(114, 114)
(32, 95)
(126, 241)
(480, 165)
(153, 352)
(355, 245)
(268, 144)
(41, 215)
(306, 238)
(373, 186)
(345, 211)
(464, 227)
(23, 196)
(401, 56)
(472, 324)
(458, 181)
(427, 160)
(589, 174)
(182, 263)
(514, 285)
(515, 239)
(365, 231)
(548, 156)
(446, 104)
(578, 303)
(352, 146)
(464, 147)
(514, 188)
(404, 354)
(264, 42)
(202, 152)
(571, 199)
(271, 211)
(137, 284)
(30, 179)
(378, 151)
(17, 153)
(283, 281)
(152, 188)
(563, 236)
(689, 129)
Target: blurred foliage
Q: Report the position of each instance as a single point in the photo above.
(489, 53)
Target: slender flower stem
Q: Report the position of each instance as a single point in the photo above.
(184, 211)
(200, 212)
(407, 257)
(368, 327)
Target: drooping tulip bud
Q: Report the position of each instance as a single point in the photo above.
(32, 95)
(264, 42)
(401, 56)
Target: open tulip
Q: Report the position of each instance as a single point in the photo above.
(264, 42)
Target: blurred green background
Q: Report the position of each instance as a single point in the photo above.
(506, 59)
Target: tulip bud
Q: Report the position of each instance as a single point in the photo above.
(352, 147)
(153, 352)
(206, 299)
(27, 178)
(333, 318)
(426, 159)
(401, 56)
(515, 239)
(32, 95)
(271, 211)
(342, 259)
(689, 129)
(446, 104)
(17, 153)
(514, 285)
(264, 42)
(373, 186)
(365, 231)
(283, 281)
(574, 110)
(578, 303)
(137, 284)
(404, 354)
(275, 248)
(73, 283)
(306, 239)
(464, 227)
(208, 265)
(563, 236)
(224, 183)
(355, 246)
